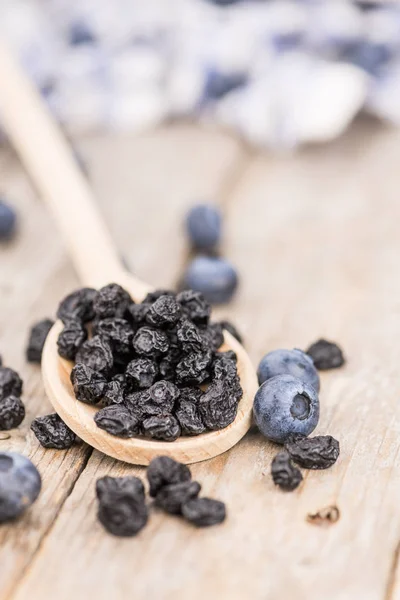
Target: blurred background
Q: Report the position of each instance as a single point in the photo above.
(278, 73)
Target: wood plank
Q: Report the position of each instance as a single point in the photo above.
(131, 176)
(316, 240)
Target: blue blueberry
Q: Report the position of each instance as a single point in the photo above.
(214, 277)
(288, 362)
(20, 485)
(8, 221)
(372, 57)
(79, 34)
(218, 84)
(203, 225)
(285, 405)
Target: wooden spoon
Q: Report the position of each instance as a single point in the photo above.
(48, 159)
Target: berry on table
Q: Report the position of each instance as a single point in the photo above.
(319, 452)
(163, 471)
(204, 512)
(52, 432)
(122, 507)
(326, 355)
(20, 485)
(285, 405)
(12, 412)
(203, 225)
(213, 277)
(37, 338)
(284, 473)
(8, 221)
(288, 362)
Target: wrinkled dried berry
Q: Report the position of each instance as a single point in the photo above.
(114, 391)
(137, 313)
(194, 306)
(52, 432)
(164, 312)
(150, 342)
(12, 412)
(10, 383)
(213, 336)
(284, 473)
(189, 418)
(232, 330)
(118, 332)
(118, 420)
(77, 306)
(204, 512)
(159, 399)
(122, 507)
(96, 354)
(141, 373)
(189, 337)
(218, 405)
(171, 497)
(37, 338)
(162, 427)
(111, 301)
(71, 339)
(192, 369)
(163, 471)
(89, 386)
(319, 452)
(225, 367)
(326, 355)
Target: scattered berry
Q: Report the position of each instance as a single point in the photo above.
(284, 473)
(288, 362)
(52, 432)
(20, 485)
(204, 512)
(12, 412)
(214, 277)
(203, 225)
(285, 405)
(163, 471)
(319, 452)
(326, 355)
(172, 497)
(10, 383)
(37, 338)
(122, 507)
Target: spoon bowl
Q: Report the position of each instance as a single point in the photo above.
(139, 450)
(47, 157)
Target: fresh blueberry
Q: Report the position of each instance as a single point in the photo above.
(288, 362)
(80, 33)
(218, 84)
(203, 225)
(285, 405)
(8, 220)
(214, 277)
(20, 485)
(372, 57)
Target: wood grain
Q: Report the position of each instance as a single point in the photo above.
(35, 274)
(315, 238)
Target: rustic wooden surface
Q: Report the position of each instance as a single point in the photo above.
(316, 240)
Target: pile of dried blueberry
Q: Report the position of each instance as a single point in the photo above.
(208, 273)
(144, 363)
(122, 506)
(286, 409)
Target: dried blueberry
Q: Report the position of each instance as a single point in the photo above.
(326, 355)
(192, 369)
(194, 306)
(160, 398)
(284, 474)
(203, 225)
(77, 306)
(284, 405)
(162, 427)
(141, 373)
(71, 339)
(164, 312)
(288, 362)
(96, 354)
(89, 386)
(37, 338)
(118, 332)
(163, 471)
(150, 342)
(122, 507)
(52, 432)
(319, 452)
(111, 301)
(114, 392)
(214, 277)
(213, 336)
(204, 512)
(171, 497)
(118, 420)
(12, 412)
(189, 418)
(10, 383)
(20, 485)
(218, 406)
(8, 221)
(190, 337)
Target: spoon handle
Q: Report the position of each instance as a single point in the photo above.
(48, 159)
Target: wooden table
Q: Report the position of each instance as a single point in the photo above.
(316, 239)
